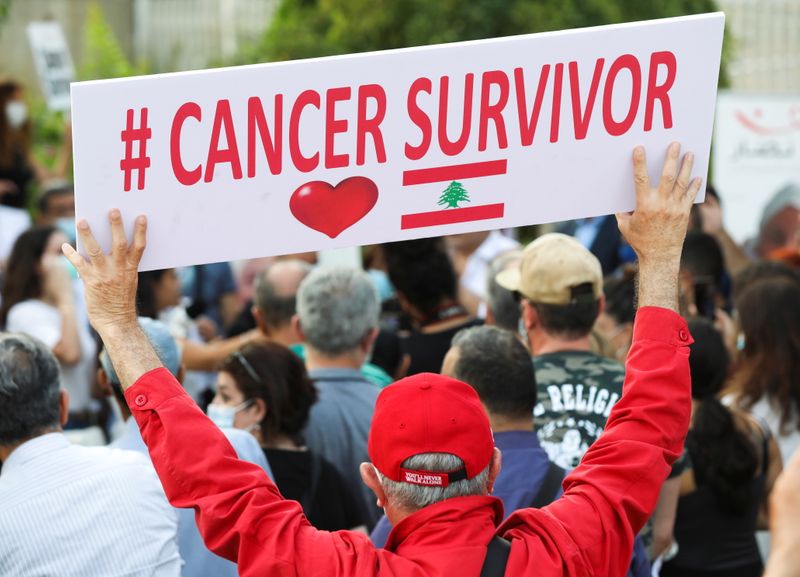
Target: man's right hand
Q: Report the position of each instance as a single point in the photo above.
(657, 227)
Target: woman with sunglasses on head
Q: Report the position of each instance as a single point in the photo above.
(264, 388)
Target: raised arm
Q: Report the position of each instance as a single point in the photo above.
(614, 490)
(240, 512)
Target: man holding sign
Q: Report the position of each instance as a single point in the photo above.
(431, 447)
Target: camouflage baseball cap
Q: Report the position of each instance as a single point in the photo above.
(551, 267)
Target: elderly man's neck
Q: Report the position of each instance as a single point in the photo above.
(316, 359)
(6, 450)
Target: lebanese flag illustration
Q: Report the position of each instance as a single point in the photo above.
(453, 194)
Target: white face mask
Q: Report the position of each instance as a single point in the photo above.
(224, 415)
(16, 113)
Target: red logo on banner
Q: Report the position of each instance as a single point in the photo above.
(333, 209)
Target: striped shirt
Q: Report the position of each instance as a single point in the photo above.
(78, 511)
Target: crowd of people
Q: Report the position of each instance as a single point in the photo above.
(341, 389)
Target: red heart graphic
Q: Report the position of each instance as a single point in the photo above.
(333, 209)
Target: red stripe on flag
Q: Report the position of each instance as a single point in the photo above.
(452, 216)
(454, 172)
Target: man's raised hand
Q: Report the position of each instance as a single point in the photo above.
(657, 227)
(110, 279)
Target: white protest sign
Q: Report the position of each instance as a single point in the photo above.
(325, 153)
(53, 62)
(756, 153)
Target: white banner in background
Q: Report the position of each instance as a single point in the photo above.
(756, 154)
(368, 148)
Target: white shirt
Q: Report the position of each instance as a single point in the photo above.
(789, 443)
(43, 321)
(13, 222)
(72, 511)
(475, 276)
(199, 561)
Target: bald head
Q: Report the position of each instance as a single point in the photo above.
(276, 291)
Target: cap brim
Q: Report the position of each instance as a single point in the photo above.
(509, 279)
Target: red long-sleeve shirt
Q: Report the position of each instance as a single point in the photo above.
(589, 531)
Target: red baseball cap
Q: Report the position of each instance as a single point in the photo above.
(429, 413)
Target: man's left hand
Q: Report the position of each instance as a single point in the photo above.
(110, 279)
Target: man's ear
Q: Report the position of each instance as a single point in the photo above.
(494, 468)
(298, 328)
(371, 480)
(63, 406)
(530, 318)
(259, 318)
(601, 305)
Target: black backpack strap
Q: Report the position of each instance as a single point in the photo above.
(550, 486)
(496, 558)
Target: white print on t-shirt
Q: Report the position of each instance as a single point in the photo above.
(569, 397)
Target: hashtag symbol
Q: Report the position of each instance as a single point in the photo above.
(130, 162)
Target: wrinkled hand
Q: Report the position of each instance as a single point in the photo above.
(657, 227)
(110, 280)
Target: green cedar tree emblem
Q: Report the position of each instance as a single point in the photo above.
(453, 194)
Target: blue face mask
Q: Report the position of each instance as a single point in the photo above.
(224, 415)
(66, 224)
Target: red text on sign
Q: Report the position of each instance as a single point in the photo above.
(560, 82)
(267, 135)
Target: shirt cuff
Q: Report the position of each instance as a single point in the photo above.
(152, 389)
(662, 325)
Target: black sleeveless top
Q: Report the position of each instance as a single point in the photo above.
(714, 542)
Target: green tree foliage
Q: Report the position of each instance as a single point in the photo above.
(307, 28)
(453, 194)
(102, 55)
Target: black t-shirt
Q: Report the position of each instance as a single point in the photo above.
(427, 350)
(333, 505)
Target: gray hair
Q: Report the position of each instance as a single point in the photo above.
(414, 497)
(500, 300)
(29, 388)
(279, 306)
(337, 307)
